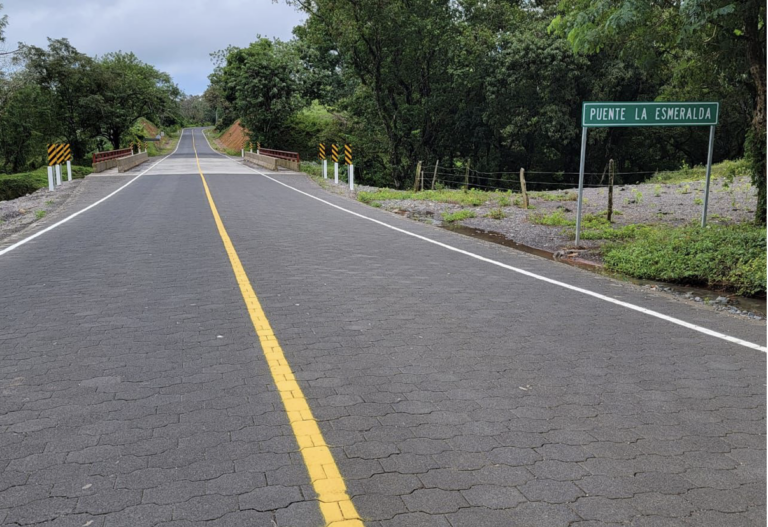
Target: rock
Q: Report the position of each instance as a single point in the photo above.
(721, 300)
(688, 295)
(697, 299)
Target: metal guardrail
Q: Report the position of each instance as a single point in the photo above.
(111, 154)
(280, 154)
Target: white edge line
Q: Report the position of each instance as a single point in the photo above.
(78, 213)
(627, 305)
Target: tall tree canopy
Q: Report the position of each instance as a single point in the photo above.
(696, 42)
(499, 84)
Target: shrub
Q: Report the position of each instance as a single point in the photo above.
(731, 256)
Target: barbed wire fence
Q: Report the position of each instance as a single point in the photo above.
(437, 178)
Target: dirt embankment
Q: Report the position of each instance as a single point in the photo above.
(150, 129)
(235, 137)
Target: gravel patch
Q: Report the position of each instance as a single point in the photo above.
(17, 214)
(674, 204)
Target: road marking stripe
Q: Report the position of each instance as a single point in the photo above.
(78, 213)
(627, 305)
(335, 504)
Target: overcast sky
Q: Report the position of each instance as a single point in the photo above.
(176, 36)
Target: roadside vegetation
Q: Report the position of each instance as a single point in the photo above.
(13, 186)
(728, 256)
(472, 197)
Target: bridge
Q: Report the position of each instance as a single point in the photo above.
(201, 341)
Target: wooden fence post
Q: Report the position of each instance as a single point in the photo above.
(434, 176)
(466, 178)
(418, 176)
(611, 171)
(523, 189)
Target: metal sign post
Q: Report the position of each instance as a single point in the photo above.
(625, 114)
(709, 174)
(581, 181)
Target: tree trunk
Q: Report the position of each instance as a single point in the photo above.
(755, 147)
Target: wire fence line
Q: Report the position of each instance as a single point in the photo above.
(467, 177)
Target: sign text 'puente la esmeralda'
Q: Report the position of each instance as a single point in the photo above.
(612, 114)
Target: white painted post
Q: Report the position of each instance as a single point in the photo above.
(58, 175)
(336, 173)
(325, 169)
(69, 170)
(351, 177)
(581, 182)
(709, 174)
(242, 153)
(50, 178)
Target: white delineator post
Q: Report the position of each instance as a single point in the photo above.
(351, 177)
(58, 174)
(69, 170)
(242, 152)
(325, 169)
(336, 173)
(50, 178)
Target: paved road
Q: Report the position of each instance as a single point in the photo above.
(450, 391)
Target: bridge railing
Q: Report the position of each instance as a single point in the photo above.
(111, 154)
(280, 154)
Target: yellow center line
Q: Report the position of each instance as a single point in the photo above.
(335, 504)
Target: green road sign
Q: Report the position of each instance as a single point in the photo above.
(604, 114)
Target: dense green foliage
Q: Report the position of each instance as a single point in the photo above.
(732, 256)
(58, 94)
(497, 85)
(13, 186)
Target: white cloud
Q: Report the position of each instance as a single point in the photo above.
(176, 36)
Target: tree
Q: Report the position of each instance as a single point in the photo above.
(69, 77)
(260, 82)
(196, 110)
(400, 53)
(127, 89)
(720, 31)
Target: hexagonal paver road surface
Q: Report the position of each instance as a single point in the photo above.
(451, 391)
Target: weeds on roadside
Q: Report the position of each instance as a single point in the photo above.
(40, 214)
(458, 216)
(496, 214)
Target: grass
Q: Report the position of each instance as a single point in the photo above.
(13, 186)
(549, 196)
(458, 216)
(553, 219)
(606, 232)
(311, 168)
(40, 214)
(729, 256)
(686, 174)
(496, 214)
(163, 147)
(470, 198)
